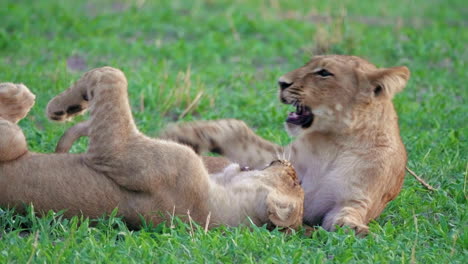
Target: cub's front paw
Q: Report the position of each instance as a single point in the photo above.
(360, 228)
(15, 101)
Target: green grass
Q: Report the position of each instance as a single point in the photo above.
(232, 52)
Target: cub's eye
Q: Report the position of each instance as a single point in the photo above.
(324, 73)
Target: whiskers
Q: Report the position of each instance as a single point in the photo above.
(284, 153)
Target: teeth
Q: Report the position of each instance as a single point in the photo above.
(299, 109)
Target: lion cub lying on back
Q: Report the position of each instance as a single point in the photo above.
(123, 168)
(348, 153)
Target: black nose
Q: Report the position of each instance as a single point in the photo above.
(283, 85)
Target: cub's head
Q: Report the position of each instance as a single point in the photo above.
(285, 203)
(336, 92)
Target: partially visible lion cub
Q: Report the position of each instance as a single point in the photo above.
(348, 152)
(124, 169)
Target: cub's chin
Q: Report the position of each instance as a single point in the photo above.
(293, 130)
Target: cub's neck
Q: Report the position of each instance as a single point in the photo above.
(235, 201)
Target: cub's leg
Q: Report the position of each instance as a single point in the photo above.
(15, 102)
(213, 164)
(104, 92)
(229, 137)
(71, 135)
(12, 142)
(111, 129)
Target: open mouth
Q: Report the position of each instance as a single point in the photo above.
(301, 117)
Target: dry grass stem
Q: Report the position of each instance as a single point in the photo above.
(191, 106)
(419, 179)
(36, 237)
(208, 218)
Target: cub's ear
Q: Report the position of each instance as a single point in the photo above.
(388, 81)
(284, 210)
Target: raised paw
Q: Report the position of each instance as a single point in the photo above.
(15, 101)
(66, 105)
(75, 100)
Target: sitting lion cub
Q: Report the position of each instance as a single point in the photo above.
(124, 169)
(348, 152)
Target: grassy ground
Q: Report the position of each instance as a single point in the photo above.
(229, 55)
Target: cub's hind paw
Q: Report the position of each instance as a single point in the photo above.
(15, 101)
(75, 100)
(68, 104)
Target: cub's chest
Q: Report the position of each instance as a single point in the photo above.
(313, 166)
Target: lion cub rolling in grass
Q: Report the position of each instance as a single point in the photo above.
(348, 152)
(124, 169)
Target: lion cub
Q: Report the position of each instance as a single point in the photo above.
(348, 152)
(127, 170)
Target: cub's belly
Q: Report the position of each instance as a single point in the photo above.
(57, 182)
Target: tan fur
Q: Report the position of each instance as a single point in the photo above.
(351, 160)
(212, 164)
(16, 100)
(124, 169)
